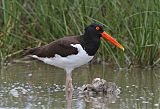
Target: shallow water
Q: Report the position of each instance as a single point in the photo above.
(36, 85)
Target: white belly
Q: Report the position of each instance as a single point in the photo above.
(69, 62)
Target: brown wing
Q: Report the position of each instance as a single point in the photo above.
(61, 47)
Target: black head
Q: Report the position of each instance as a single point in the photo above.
(90, 41)
(91, 38)
(94, 30)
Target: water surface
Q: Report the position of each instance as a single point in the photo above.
(36, 85)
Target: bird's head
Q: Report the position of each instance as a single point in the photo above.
(96, 30)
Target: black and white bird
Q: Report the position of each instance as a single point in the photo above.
(71, 52)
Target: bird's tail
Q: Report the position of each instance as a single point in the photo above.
(28, 51)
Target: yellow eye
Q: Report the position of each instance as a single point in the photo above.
(97, 28)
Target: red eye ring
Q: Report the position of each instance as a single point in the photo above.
(97, 28)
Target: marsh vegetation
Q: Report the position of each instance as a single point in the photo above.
(135, 24)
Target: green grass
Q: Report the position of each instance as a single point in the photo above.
(135, 24)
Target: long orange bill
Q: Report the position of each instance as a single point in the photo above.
(112, 40)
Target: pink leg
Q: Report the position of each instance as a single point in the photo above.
(68, 84)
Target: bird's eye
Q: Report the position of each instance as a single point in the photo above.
(97, 28)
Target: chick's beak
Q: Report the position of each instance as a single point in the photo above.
(112, 40)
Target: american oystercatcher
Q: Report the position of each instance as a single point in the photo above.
(69, 53)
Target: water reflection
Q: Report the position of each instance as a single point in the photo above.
(101, 102)
(36, 85)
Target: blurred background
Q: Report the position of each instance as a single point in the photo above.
(134, 23)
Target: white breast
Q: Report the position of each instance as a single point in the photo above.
(69, 62)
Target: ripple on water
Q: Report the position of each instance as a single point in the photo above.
(156, 105)
(145, 102)
(24, 89)
(14, 92)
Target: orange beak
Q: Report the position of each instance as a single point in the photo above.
(112, 40)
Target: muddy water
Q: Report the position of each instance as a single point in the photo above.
(39, 86)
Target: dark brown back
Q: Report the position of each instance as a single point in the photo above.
(61, 47)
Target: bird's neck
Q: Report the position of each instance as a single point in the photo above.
(90, 43)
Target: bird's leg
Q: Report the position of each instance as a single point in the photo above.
(69, 87)
(69, 81)
(68, 84)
